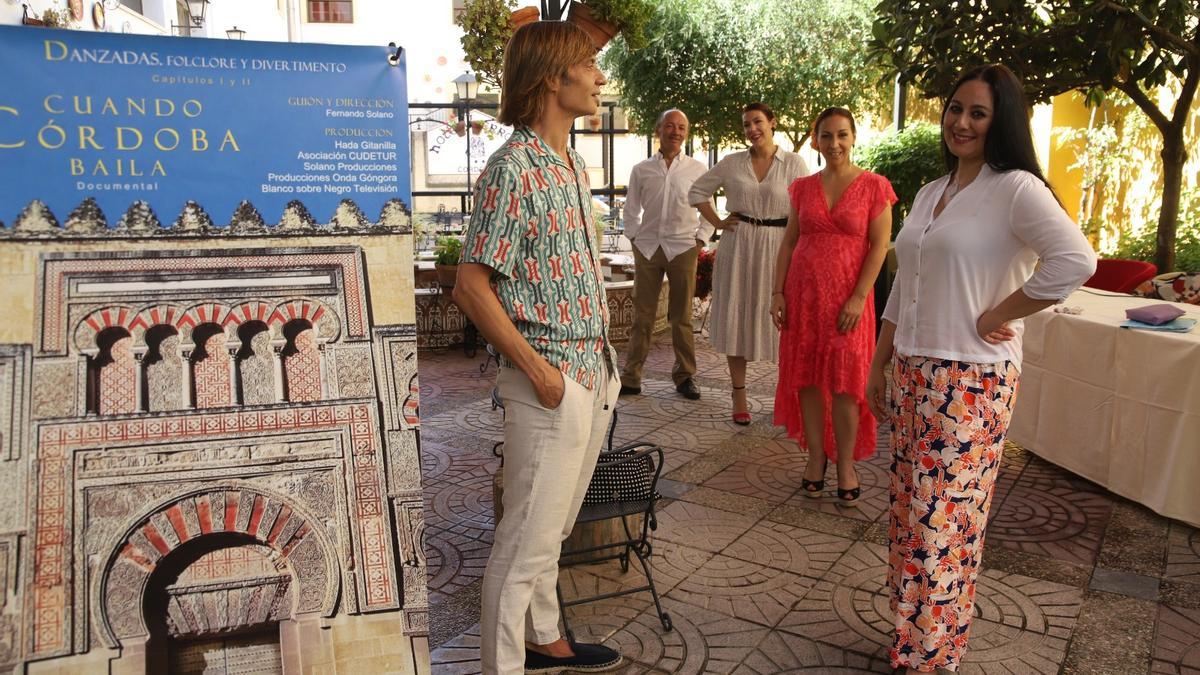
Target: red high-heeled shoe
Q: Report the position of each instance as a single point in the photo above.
(742, 418)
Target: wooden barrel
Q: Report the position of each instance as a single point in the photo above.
(583, 535)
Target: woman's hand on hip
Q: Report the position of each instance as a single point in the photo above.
(778, 310)
(851, 314)
(729, 223)
(992, 329)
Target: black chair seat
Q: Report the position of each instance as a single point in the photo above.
(596, 512)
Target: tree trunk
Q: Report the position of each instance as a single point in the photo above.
(1173, 157)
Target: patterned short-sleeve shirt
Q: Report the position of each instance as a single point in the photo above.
(533, 226)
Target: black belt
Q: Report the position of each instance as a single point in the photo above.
(764, 222)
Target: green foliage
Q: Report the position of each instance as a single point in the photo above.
(629, 16)
(1055, 46)
(487, 27)
(448, 251)
(1141, 244)
(711, 57)
(56, 18)
(908, 159)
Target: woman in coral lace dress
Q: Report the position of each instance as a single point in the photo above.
(836, 241)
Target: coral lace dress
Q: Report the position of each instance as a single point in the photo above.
(823, 272)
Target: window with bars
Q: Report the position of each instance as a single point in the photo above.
(330, 11)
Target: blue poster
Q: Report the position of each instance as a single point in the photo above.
(168, 120)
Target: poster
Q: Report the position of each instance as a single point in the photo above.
(165, 120)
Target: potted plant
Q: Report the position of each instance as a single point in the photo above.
(704, 272)
(447, 255)
(595, 122)
(488, 24)
(51, 18)
(603, 19)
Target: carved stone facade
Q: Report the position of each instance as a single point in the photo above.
(205, 434)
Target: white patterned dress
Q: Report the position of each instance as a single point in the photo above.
(745, 266)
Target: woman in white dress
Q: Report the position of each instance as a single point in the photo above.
(756, 182)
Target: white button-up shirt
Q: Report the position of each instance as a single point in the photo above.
(657, 212)
(984, 245)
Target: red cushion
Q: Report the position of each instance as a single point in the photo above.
(1119, 275)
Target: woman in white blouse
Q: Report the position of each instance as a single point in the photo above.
(755, 182)
(951, 336)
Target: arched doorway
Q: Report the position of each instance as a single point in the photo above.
(214, 605)
(203, 582)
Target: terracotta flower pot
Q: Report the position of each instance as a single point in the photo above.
(599, 30)
(523, 16)
(594, 122)
(446, 274)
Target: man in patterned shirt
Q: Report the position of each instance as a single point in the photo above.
(530, 239)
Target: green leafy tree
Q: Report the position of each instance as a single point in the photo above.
(1134, 46)
(711, 57)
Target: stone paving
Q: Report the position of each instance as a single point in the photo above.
(759, 578)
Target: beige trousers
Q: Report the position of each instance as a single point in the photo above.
(647, 284)
(549, 456)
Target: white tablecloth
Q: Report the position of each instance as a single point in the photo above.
(1118, 406)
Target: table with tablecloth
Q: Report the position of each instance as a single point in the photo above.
(1118, 406)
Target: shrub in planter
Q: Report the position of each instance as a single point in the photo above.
(909, 159)
(446, 257)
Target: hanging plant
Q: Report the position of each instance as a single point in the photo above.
(487, 25)
(629, 17)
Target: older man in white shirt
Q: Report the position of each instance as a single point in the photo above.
(667, 234)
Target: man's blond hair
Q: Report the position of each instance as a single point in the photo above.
(538, 53)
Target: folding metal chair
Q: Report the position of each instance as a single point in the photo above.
(637, 467)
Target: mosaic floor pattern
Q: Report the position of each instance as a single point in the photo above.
(759, 578)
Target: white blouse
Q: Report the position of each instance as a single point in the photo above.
(983, 246)
(743, 193)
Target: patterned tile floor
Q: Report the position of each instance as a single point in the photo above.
(761, 579)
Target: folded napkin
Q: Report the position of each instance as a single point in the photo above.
(1176, 326)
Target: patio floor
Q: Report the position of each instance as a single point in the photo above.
(761, 579)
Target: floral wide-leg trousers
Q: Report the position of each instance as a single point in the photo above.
(949, 420)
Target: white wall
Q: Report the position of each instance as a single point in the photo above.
(120, 20)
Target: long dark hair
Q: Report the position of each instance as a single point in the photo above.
(1009, 141)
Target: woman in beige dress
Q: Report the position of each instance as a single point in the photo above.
(756, 182)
